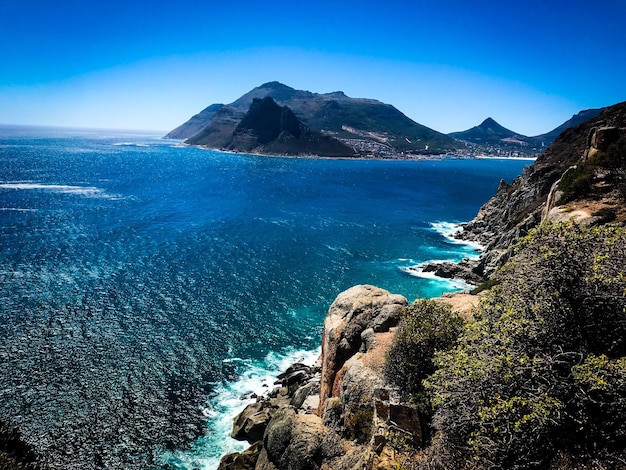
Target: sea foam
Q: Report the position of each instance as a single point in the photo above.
(87, 191)
(254, 378)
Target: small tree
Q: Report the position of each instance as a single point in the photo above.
(427, 326)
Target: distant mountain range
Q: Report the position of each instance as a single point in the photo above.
(491, 134)
(333, 124)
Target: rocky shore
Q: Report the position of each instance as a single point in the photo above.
(340, 413)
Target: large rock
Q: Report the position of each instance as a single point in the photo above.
(354, 311)
(350, 429)
(297, 442)
(246, 460)
(250, 424)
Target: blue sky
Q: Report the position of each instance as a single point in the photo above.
(448, 64)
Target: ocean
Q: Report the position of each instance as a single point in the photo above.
(147, 289)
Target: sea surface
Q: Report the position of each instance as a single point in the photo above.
(148, 288)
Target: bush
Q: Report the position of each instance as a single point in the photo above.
(541, 369)
(576, 182)
(14, 451)
(427, 326)
(359, 424)
(614, 158)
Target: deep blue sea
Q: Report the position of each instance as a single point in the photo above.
(147, 287)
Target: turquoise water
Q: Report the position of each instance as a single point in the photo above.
(145, 287)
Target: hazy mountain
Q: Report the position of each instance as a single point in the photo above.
(195, 124)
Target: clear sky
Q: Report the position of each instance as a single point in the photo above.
(448, 64)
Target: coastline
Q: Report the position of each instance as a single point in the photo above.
(397, 157)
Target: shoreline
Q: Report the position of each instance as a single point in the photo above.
(409, 157)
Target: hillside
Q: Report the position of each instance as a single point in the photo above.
(368, 126)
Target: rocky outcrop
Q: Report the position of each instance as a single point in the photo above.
(466, 269)
(341, 414)
(351, 314)
(267, 128)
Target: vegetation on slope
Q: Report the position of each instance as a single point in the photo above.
(597, 174)
(427, 326)
(537, 378)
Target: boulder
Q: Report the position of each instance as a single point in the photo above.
(246, 460)
(250, 424)
(309, 443)
(354, 311)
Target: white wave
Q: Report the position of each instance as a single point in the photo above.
(87, 191)
(256, 378)
(449, 230)
(17, 209)
(418, 271)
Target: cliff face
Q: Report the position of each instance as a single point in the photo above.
(341, 414)
(268, 128)
(523, 204)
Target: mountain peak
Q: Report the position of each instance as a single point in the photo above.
(489, 132)
(275, 85)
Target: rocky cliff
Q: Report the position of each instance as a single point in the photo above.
(268, 128)
(341, 414)
(532, 197)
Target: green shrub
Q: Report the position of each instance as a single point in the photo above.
(488, 284)
(426, 327)
(541, 370)
(576, 182)
(359, 424)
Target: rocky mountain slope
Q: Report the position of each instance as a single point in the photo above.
(534, 196)
(370, 127)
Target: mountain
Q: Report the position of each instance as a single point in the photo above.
(489, 132)
(370, 127)
(544, 140)
(195, 124)
(268, 128)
